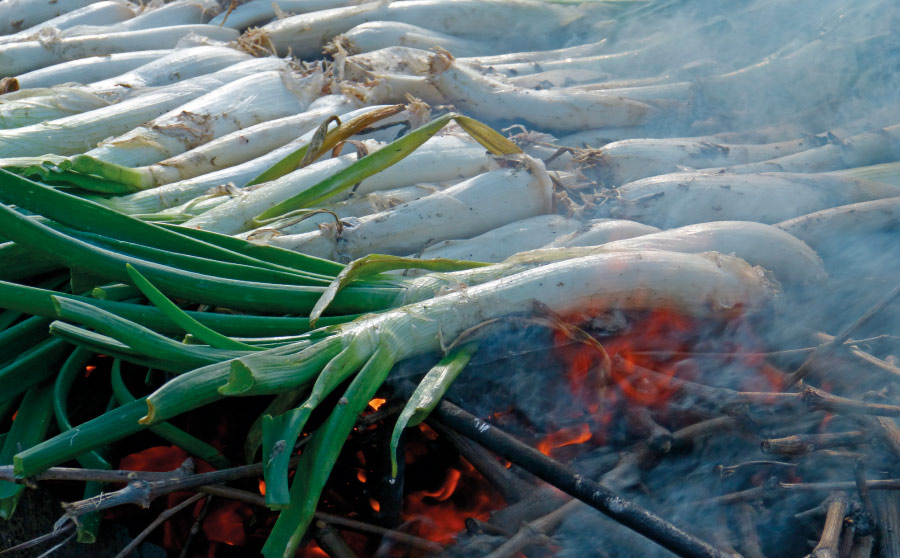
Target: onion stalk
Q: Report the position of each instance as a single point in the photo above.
(252, 99)
(58, 102)
(439, 159)
(17, 58)
(98, 13)
(16, 15)
(76, 133)
(88, 70)
(464, 210)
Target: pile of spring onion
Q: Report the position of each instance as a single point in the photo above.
(229, 195)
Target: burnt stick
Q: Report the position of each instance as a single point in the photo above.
(331, 541)
(834, 523)
(534, 532)
(549, 470)
(802, 444)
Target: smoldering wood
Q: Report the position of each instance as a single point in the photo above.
(590, 492)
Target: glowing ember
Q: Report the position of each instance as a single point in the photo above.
(313, 550)
(376, 403)
(262, 487)
(225, 522)
(361, 475)
(376, 505)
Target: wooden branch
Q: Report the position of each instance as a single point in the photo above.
(549, 470)
(162, 518)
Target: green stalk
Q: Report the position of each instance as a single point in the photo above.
(323, 141)
(139, 337)
(204, 289)
(320, 456)
(29, 428)
(281, 433)
(69, 372)
(36, 301)
(187, 442)
(282, 403)
(273, 254)
(20, 263)
(88, 216)
(378, 263)
(24, 334)
(101, 344)
(280, 368)
(385, 157)
(177, 315)
(429, 393)
(88, 524)
(109, 427)
(196, 264)
(32, 367)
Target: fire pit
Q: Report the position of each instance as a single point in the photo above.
(449, 278)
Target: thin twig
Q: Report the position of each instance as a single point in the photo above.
(195, 527)
(65, 528)
(828, 347)
(142, 492)
(890, 371)
(810, 398)
(535, 531)
(758, 492)
(163, 517)
(350, 524)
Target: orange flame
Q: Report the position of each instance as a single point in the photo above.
(439, 515)
(377, 402)
(446, 489)
(565, 437)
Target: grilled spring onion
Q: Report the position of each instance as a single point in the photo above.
(257, 12)
(563, 109)
(186, 192)
(305, 34)
(375, 35)
(31, 107)
(684, 198)
(17, 58)
(693, 284)
(244, 102)
(498, 244)
(438, 159)
(98, 13)
(77, 133)
(374, 202)
(16, 15)
(88, 70)
(231, 149)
